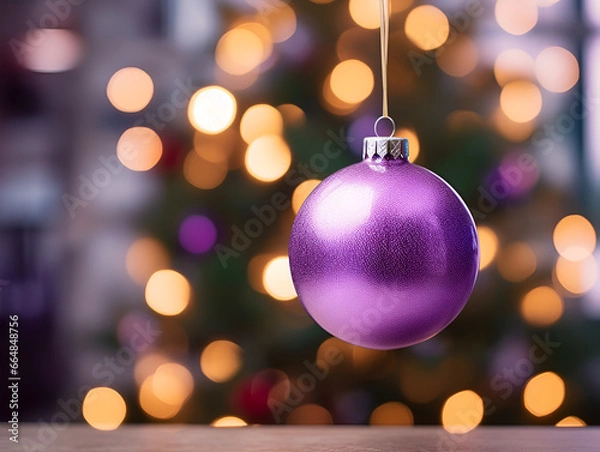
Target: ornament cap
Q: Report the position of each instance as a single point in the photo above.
(385, 148)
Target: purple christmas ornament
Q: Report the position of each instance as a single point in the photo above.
(384, 254)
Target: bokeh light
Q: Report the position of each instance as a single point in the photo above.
(365, 13)
(130, 89)
(459, 58)
(144, 257)
(280, 19)
(310, 414)
(521, 101)
(488, 246)
(577, 277)
(197, 234)
(202, 173)
(462, 412)
(332, 103)
(221, 360)
(240, 51)
(268, 158)
(216, 148)
(544, 394)
(571, 421)
(139, 149)
(516, 262)
(212, 109)
(172, 383)
(557, 69)
(516, 132)
(292, 115)
(574, 238)
(152, 405)
(229, 421)
(427, 27)
(168, 292)
(55, 51)
(147, 364)
(104, 408)
(302, 191)
(352, 81)
(516, 17)
(542, 306)
(392, 413)
(260, 120)
(277, 279)
(414, 146)
(513, 64)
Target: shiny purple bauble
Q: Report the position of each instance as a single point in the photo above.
(384, 253)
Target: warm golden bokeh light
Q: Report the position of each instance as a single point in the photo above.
(302, 191)
(268, 158)
(392, 413)
(459, 58)
(256, 268)
(513, 64)
(310, 414)
(516, 17)
(147, 364)
(542, 306)
(516, 262)
(334, 347)
(221, 360)
(488, 246)
(172, 383)
(427, 27)
(557, 69)
(139, 149)
(574, 238)
(280, 19)
(216, 148)
(544, 394)
(462, 412)
(577, 277)
(152, 405)
(414, 146)
(130, 89)
(521, 101)
(104, 408)
(144, 257)
(240, 51)
(460, 120)
(260, 120)
(202, 173)
(292, 115)
(365, 13)
(352, 81)
(571, 421)
(168, 292)
(229, 421)
(277, 279)
(516, 132)
(212, 109)
(332, 103)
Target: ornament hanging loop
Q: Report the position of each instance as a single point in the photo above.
(376, 126)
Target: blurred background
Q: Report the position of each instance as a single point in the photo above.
(141, 140)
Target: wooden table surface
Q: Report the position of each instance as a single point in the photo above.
(305, 439)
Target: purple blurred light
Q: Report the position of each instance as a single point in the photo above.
(360, 128)
(197, 234)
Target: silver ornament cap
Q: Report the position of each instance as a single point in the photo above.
(385, 148)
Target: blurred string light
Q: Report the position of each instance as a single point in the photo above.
(366, 360)
(221, 360)
(574, 238)
(334, 346)
(391, 413)
(279, 18)
(197, 234)
(202, 173)
(557, 69)
(139, 149)
(427, 27)
(521, 101)
(310, 414)
(130, 89)
(212, 109)
(462, 412)
(215, 148)
(516, 17)
(460, 120)
(173, 384)
(241, 50)
(55, 50)
(168, 292)
(414, 145)
(332, 103)
(147, 364)
(228, 421)
(542, 306)
(104, 408)
(365, 13)
(513, 64)
(260, 120)
(577, 277)
(516, 262)
(352, 81)
(488, 246)
(516, 132)
(459, 57)
(302, 191)
(144, 257)
(571, 421)
(268, 158)
(277, 279)
(152, 405)
(292, 115)
(256, 268)
(544, 394)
